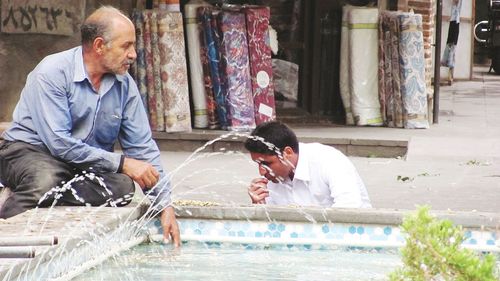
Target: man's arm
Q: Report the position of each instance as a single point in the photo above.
(143, 164)
(170, 227)
(141, 151)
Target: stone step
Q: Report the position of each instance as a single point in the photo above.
(232, 141)
(216, 141)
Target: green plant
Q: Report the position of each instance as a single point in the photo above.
(433, 252)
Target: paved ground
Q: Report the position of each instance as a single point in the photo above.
(453, 165)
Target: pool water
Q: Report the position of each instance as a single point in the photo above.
(202, 261)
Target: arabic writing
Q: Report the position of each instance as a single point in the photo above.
(52, 17)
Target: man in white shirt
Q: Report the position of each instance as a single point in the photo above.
(306, 174)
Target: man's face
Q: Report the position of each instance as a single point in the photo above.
(120, 53)
(272, 167)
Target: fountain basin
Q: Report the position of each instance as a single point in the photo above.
(250, 227)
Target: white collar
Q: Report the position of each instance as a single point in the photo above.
(302, 169)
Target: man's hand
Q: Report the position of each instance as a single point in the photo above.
(170, 226)
(258, 190)
(141, 172)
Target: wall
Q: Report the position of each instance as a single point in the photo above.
(20, 53)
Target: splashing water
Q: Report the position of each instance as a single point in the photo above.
(97, 242)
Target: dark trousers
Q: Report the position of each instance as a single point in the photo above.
(453, 31)
(33, 173)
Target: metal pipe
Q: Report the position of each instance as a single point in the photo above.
(17, 252)
(28, 241)
(76, 271)
(437, 61)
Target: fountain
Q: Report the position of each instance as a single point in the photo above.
(259, 234)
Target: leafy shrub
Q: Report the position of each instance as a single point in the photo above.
(433, 252)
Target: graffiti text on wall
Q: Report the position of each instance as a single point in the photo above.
(45, 16)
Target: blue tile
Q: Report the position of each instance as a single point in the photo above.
(387, 230)
(271, 226)
(490, 242)
(325, 228)
(241, 234)
(281, 227)
(294, 235)
(258, 234)
(197, 231)
(201, 225)
(276, 234)
(352, 229)
(360, 230)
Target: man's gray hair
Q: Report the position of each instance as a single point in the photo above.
(99, 25)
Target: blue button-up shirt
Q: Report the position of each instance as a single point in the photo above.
(60, 111)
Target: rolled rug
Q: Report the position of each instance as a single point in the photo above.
(174, 78)
(261, 68)
(148, 58)
(198, 93)
(140, 62)
(387, 100)
(363, 66)
(217, 71)
(160, 107)
(412, 61)
(237, 70)
(204, 16)
(396, 101)
(344, 77)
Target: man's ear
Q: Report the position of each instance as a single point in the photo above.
(99, 45)
(290, 157)
(288, 151)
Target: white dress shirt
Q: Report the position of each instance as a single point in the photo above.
(323, 177)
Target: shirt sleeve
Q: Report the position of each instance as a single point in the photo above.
(51, 117)
(345, 184)
(136, 141)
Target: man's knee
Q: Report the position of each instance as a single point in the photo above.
(32, 173)
(124, 184)
(123, 189)
(44, 185)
